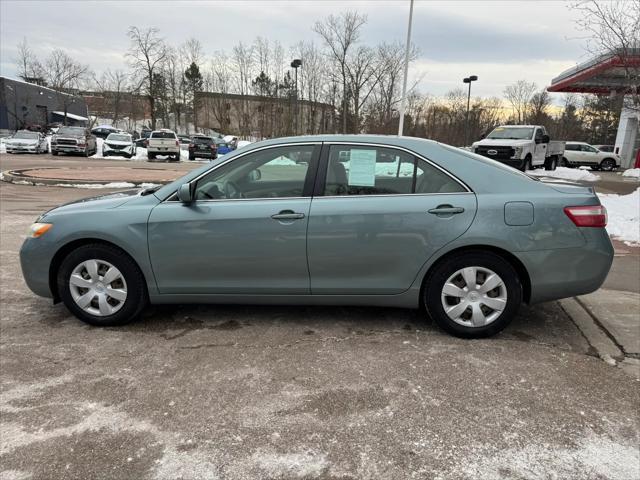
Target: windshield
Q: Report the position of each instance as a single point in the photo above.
(71, 131)
(119, 137)
(26, 135)
(511, 133)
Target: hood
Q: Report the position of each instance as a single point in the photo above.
(487, 142)
(21, 141)
(100, 202)
(117, 142)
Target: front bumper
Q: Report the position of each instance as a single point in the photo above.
(568, 272)
(35, 261)
(67, 148)
(15, 149)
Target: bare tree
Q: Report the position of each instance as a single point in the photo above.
(63, 74)
(340, 33)
(538, 105)
(112, 85)
(362, 73)
(146, 54)
(519, 95)
(28, 66)
(614, 27)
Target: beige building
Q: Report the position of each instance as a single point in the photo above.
(263, 117)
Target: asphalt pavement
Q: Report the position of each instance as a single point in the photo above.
(245, 392)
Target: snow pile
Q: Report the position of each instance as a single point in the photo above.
(282, 160)
(107, 185)
(565, 173)
(624, 216)
(632, 173)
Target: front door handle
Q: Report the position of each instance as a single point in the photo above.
(446, 210)
(287, 215)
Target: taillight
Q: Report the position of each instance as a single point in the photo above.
(589, 216)
(213, 147)
(145, 143)
(177, 143)
(191, 145)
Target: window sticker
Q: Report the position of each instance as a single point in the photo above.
(362, 168)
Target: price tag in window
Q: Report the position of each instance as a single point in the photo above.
(362, 168)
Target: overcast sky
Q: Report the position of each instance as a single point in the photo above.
(501, 42)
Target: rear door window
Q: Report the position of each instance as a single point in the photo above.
(367, 170)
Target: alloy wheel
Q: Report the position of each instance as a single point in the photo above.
(98, 287)
(474, 296)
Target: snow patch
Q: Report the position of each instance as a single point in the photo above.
(599, 456)
(292, 465)
(575, 174)
(632, 173)
(243, 143)
(98, 185)
(624, 216)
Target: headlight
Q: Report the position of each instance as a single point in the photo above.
(38, 229)
(517, 151)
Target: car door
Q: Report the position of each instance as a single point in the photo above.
(377, 215)
(246, 230)
(540, 152)
(590, 155)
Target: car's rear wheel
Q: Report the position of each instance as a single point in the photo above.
(608, 164)
(102, 285)
(551, 163)
(54, 152)
(473, 295)
(151, 156)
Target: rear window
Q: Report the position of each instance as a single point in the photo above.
(203, 140)
(163, 135)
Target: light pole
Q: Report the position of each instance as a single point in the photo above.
(469, 79)
(403, 102)
(296, 63)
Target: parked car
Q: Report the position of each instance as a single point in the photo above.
(74, 140)
(119, 144)
(222, 147)
(141, 142)
(579, 154)
(521, 146)
(203, 147)
(103, 131)
(396, 221)
(163, 142)
(25, 141)
(605, 148)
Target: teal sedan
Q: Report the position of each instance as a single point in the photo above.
(328, 220)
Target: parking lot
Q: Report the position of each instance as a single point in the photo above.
(297, 392)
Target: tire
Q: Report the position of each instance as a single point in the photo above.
(54, 152)
(130, 280)
(608, 164)
(551, 163)
(527, 164)
(176, 157)
(86, 152)
(192, 157)
(507, 294)
(151, 156)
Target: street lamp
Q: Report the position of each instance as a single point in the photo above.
(468, 80)
(296, 63)
(407, 46)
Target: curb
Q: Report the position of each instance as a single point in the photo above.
(598, 338)
(18, 177)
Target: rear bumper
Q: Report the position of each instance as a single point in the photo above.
(568, 272)
(203, 154)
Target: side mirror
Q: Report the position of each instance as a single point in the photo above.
(185, 193)
(545, 139)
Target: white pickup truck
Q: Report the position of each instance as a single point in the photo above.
(163, 142)
(521, 146)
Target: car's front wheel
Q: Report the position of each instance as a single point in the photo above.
(473, 295)
(101, 285)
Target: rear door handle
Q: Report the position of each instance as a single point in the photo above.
(446, 210)
(287, 215)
